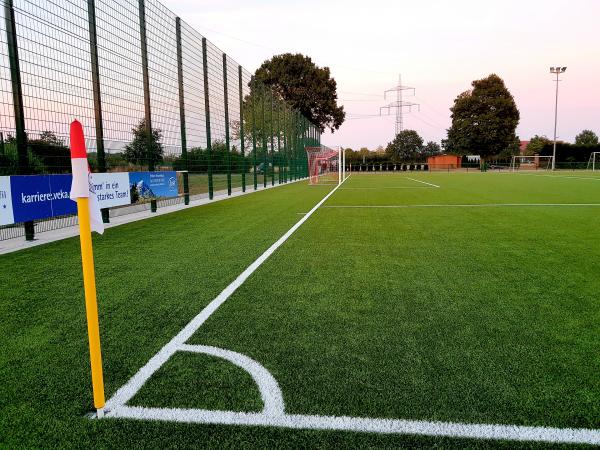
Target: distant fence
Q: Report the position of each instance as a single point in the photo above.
(468, 167)
(120, 65)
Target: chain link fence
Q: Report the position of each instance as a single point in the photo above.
(151, 92)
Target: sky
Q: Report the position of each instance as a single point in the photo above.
(438, 46)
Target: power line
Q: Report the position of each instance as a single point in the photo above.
(399, 104)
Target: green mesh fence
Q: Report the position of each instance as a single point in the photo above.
(124, 65)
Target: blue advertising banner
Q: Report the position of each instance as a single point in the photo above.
(154, 184)
(41, 196)
(32, 197)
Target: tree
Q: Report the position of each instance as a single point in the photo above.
(51, 151)
(145, 148)
(406, 146)
(305, 86)
(514, 148)
(586, 137)
(536, 144)
(431, 149)
(484, 119)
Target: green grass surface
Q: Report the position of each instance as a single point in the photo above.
(482, 314)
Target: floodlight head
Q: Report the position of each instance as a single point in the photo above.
(563, 69)
(551, 69)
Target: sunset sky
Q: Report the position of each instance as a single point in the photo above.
(438, 46)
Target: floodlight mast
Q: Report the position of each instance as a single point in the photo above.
(556, 70)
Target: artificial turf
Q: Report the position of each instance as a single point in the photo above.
(483, 314)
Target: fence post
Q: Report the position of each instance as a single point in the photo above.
(241, 92)
(207, 112)
(15, 77)
(184, 155)
(100, 156)
(285, 158)
(304, 129)
(272, 141)
(226, 105)
(280, 171)
(264, 138)
(146, 84)
(297, 143)
(253, 94)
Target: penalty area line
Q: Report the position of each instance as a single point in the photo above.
(424, 182)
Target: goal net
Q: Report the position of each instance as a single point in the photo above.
(594, 161)
(535, 162)
(323, 165)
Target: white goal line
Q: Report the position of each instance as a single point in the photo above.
(466, 205)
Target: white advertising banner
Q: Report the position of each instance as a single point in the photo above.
(6, 210)
(112, 189)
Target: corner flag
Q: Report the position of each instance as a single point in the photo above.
(82, 186)
(88, 212)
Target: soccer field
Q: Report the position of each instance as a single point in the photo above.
(407, 309)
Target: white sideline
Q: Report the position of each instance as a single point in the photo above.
(365, 424)
(466, 205)
(560, 176)
(424, 182)
(127, 391)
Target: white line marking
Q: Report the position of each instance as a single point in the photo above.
(387, 187)
(560, 176)
(129, 389)
(474, 205)
(360, 424)
(424, 182)
(267, 385)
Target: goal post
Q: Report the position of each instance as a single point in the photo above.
(534, 162)
(324, 165)
(594, 161)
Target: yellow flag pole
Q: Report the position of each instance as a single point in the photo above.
(91, 304)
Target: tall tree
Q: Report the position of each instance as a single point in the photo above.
(145, 147)
(536, 144)
(513, 149)
(484, 119)
(305, 86)
(586, 137)
(406, 147)
(431, 149)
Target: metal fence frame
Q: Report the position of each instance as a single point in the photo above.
(115, 65)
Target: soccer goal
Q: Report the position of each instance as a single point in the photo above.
(535, 162)
(594, 161)
(325, 165)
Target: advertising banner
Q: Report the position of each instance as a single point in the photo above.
(33, 197)
(41, 196)
(112, 189)
(148, 185)
(6, 212)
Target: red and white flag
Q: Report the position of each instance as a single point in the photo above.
(82, 185)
